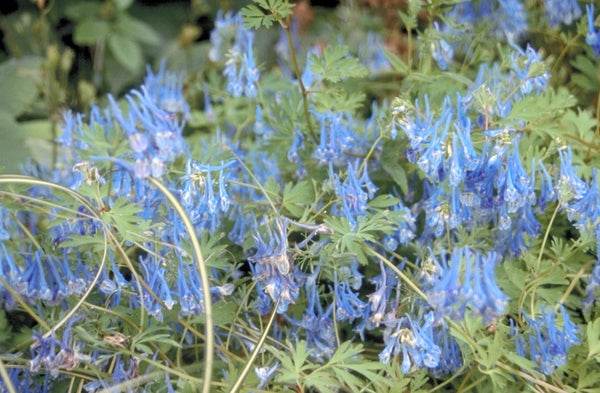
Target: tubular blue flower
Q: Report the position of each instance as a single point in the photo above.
(548, 345)
(509, 20)
(570, 187)
(188, 300)
(371, 54)
(562, 11)
(441, 50)
(240, 69)
(467, 282)
(166, 90)
(316, 323)
(415, 342)
(593, 36)
(339, 140)
(586, 210)
(294, 157)
(547, 193)
(272, 267)
(202, 195)
(154, 276)
(348, 306)
(592, 289)
(405, 229)
(54, 355)
(451, 358)
(265, 373)
(530, 69)
(431, 159)
(354, 193)
(378, 301)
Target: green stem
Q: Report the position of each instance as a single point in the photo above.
(208, 327)
(257, 348)
(288, 33)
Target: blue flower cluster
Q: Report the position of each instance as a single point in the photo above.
(466, 153)
(240, 68)
(547, 344)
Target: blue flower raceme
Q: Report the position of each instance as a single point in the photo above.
(548, 344)
(593, 36)
(416, 343)
(466, 283)
(441, 50)
(272, 267)
(502, 19)
(562, 11)
(240, 68)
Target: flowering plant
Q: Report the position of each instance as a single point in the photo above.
(347, 218)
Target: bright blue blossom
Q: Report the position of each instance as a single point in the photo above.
(338, 141)
(441, 50)
(548, 344)
(316, 323)
(371, 54)
(466, 282)
(593, 36)
(265, 373)
(415, 342)
(54, 355)
(504, 19)
(166, 90)
(562, 11)
(592, 289)
(271, 266)
(205, 192)
(354, 193)
(348, 305)
(222, 35)
(240, 69)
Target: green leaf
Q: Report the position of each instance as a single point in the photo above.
(337, 100)
(396, 62)
(123, 215)
(19, 78)
(83, 10)
(223, 314)
(544, 105)
(336, 64)
(90, 31)
(126, 51)
(122, 5)
(390, 157)
(383, 201)
(525, 364)
(254, 17)
(593, 337)
(296, 198)
(277, 11)
(136, 30)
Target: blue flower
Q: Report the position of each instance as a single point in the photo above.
(371, 54)
(593, 36)
(441, 50)
(166, 90)
(415, 342)
(548, 345)
(467, 282)
(272, 267)
(240, 69)
(348, 306)
(54, 355)
(562, 11)
(265, 373)
(592, 289)
(354, 193)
